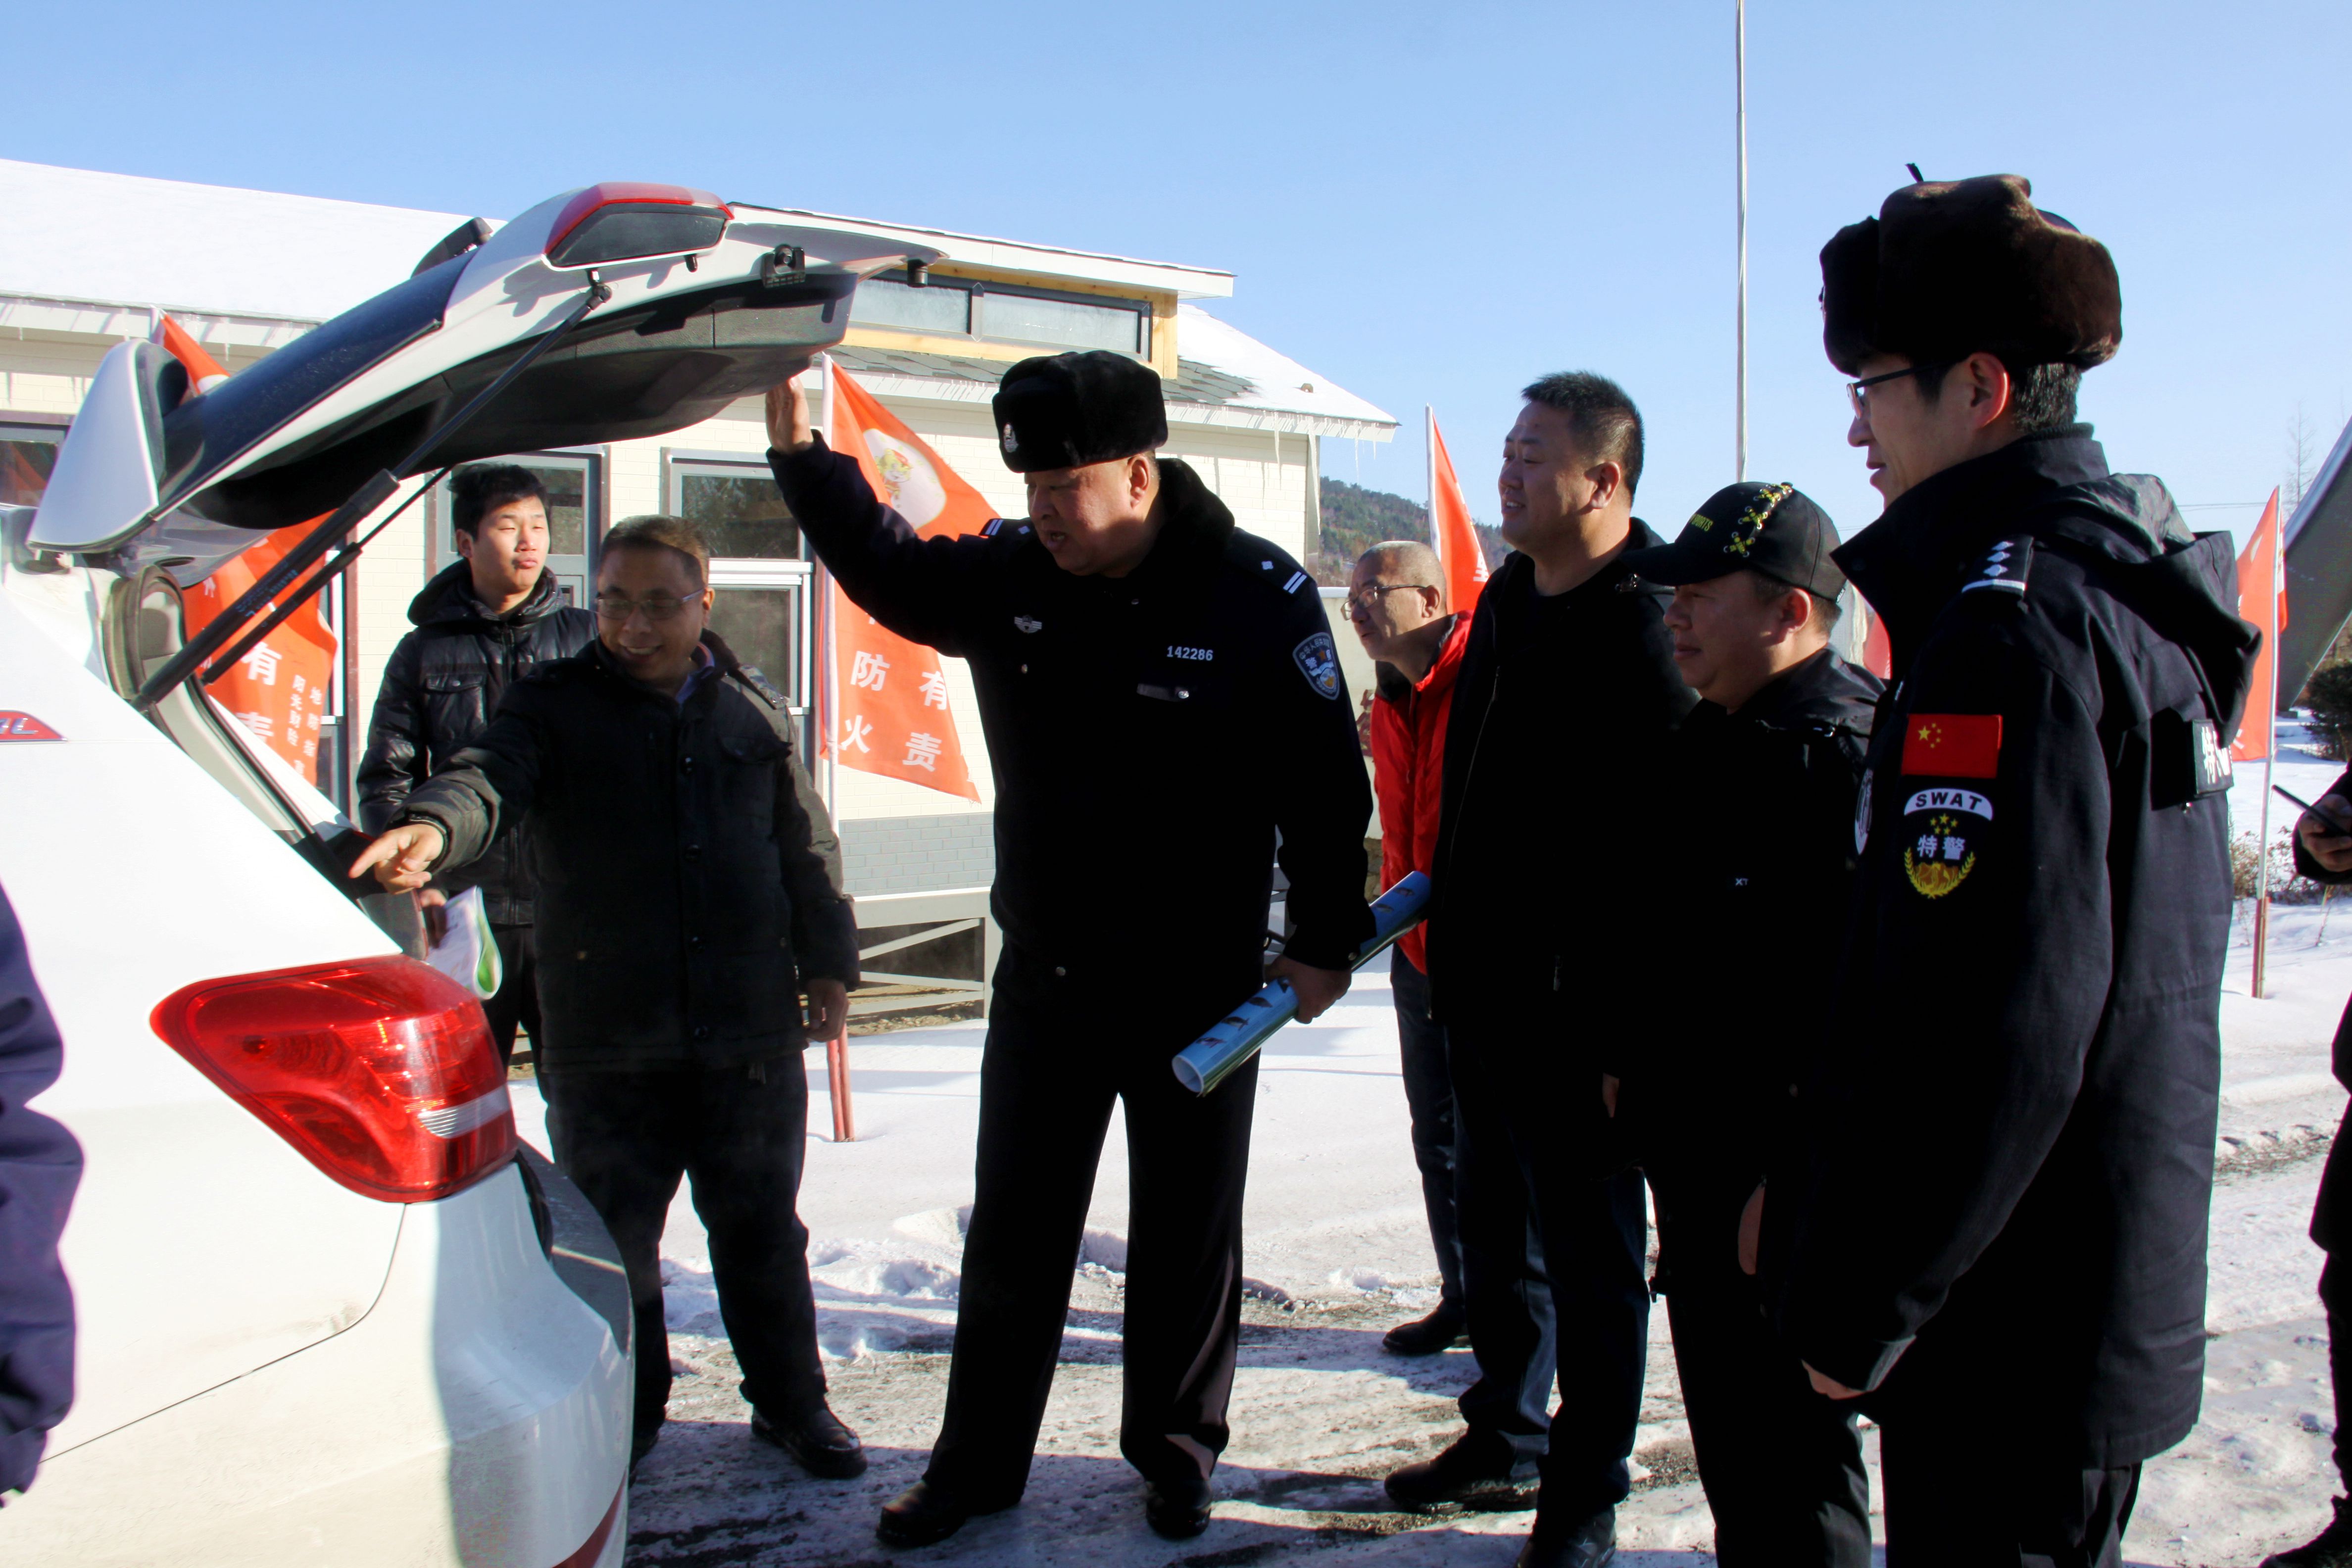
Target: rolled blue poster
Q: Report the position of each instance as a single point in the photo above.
(1210, 1059)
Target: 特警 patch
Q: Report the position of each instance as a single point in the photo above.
(1943, 830)
(1318, 662)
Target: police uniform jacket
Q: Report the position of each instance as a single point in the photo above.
(1149, 734)
(440, 687)
(689, 882)
(2331, 1217)
(1755, 818)
(2011, 1138)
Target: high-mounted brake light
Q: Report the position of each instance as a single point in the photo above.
(380, 1071)
(623, 220)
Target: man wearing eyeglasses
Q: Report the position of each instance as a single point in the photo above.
(1396, 602)
(1998, 1246)
(1161, 697)
(689, 894)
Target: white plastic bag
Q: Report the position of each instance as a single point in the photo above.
(468, 952)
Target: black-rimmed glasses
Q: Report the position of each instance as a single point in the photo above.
(1858, 391)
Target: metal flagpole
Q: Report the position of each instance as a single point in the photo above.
(1739, 70)
(1429, 457)
(2270, 754)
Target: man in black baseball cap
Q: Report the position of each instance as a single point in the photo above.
(1122, 634)
(1756, 817)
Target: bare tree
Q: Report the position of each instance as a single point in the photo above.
(2302, 456)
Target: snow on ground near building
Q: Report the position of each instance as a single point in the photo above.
(1337, 1252)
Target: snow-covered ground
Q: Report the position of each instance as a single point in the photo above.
(1337, 1252)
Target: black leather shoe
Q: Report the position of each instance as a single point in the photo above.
(1590, 1542)
(2331, 1547)
(1177, 1510)
(817, 1441)
(923, 1513)
(1475, 1473)
(1441, 1331)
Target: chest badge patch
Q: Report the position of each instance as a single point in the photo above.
(1029, 623)
(1318, 662)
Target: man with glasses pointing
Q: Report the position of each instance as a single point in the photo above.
(689, 895)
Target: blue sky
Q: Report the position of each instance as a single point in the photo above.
(1426, 204)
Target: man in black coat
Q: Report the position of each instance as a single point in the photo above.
(1755, 821)
(1567, 688)
(1160, 696)
(689, 893)
(2323, 852)
(2000, 1241)
(40, 1166)
(480, 625)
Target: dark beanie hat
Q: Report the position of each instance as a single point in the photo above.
(1965, 266)
(1061, 411)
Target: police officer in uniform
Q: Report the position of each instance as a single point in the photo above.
(1757, 806)
(1160, 696)
(1998, 1244)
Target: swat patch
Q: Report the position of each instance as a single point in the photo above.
(1939, 852)
(1318, 662)
(1963, 800)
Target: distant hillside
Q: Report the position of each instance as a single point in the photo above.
(1356, 519)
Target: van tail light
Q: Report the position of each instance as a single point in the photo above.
(380, 1070)
(625, 220)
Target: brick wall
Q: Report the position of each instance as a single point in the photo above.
(919, 854)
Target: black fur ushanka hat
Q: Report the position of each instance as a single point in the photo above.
(1063, 411)
(1962, 266)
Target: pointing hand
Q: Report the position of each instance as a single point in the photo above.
(402, 857)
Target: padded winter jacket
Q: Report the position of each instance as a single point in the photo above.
(2010, 1137)
(1409, 766)
(2331, 1216)
(440, 687)
(688, 878)
(40, 1166)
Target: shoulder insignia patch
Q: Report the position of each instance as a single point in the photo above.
(1296, 579)
(1029, 623)
(1318, 662)
(2005, 567)
(989, 529)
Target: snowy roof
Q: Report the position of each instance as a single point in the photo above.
(120, 239)
(81, 246)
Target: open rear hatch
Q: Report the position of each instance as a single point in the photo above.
(612, 312)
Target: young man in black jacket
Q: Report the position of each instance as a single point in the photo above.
(2011, 1162)
(1566, 687)
(482, 623)
(1753, 820)
(689, 893)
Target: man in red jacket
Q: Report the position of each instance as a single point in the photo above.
(1396, 602)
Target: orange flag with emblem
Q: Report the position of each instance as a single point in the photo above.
(2262, 599)
(278, 689)
(1450, 530)
(890, 713)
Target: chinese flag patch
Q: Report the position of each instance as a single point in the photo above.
(1952, 746)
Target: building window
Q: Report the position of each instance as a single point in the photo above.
(956, 306)
(574, 514)
(28, 453)
(763, 584)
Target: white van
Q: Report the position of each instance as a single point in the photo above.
(328, 1309)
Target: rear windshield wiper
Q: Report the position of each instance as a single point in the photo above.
(194, 657)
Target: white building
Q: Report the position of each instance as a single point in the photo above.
(87, 260)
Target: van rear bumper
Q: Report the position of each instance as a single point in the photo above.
(479, 1414)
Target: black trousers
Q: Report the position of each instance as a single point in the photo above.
(2335, 1295)
(518, 998)
(1054, 1064)
(1781, 1466)
(1961, 1495)
(738, 1135)
(1554, 1260)
(1429, 1098)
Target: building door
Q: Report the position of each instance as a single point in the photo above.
(575, 519)
(762, 577)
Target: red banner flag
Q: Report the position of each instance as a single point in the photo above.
(2262, 599)
(278, 689)
(1450, 531)
(889, 697)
